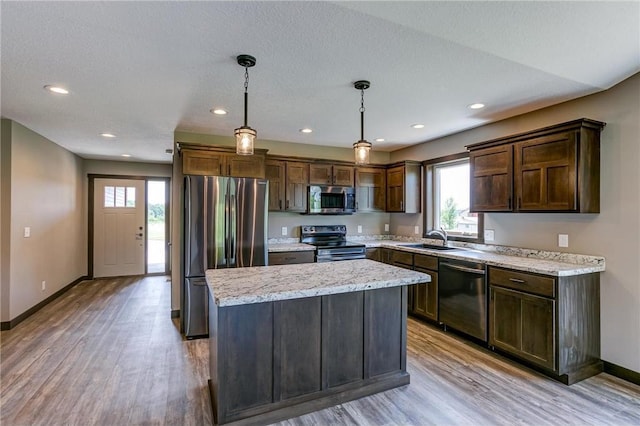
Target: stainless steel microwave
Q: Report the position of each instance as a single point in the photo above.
(331, 200)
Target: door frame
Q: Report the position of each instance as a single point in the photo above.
(90, 218)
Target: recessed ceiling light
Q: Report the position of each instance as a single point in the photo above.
(417, 126)
(126, 155)
(476, 106)
(306, 130)
(380, 140)
(107, 135)
(56, 89)
(218, 111)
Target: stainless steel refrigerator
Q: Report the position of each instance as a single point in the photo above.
(225, 226)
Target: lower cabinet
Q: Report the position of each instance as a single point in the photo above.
(550, 322)
(291, 257)
(522, 324)
(425, 296)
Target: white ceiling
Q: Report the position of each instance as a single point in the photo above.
(144, 69)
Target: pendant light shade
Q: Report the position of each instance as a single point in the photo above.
(362, 148)
(245, 135)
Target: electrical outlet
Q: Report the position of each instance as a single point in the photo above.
(386, 227)
(27, 231)
(489, 234)
(44, 285)
(359, 229)
(416, 230)
(284, 231)
(563, 240)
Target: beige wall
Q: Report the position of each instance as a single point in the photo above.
(614, 233)
(46, 195)
(372, 223)
(5, 218)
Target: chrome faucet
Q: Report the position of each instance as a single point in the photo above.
(439, 234)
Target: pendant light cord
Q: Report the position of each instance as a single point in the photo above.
(362, 114)
(246, 93)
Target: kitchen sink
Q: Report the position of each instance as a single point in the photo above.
(431, 246)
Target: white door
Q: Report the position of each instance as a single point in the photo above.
(118, 227)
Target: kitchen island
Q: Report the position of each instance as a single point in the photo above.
(290, 339)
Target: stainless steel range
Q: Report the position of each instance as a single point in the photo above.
(331, 243)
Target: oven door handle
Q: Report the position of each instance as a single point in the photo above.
(463, 268)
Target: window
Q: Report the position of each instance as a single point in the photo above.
(119, 196)
(447, 196)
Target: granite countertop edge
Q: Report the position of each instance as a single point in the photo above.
(242, 286)
(526, 260)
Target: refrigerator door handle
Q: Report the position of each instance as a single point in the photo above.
(226, 227)
(232, 230)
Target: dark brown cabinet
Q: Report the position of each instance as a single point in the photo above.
(208, 161)
(291, 257)
(554, 169)
(491, 179)
(275, 171)
(330, 174)
(550, 322)
(403, 187)
(297, 181)
(425, 296)
(370, 189)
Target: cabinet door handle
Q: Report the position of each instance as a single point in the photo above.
(509, 203)
(286, 205)
(519, 202)
(220, 169)
(516, 280)
(401, 203)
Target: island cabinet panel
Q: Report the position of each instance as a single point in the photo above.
(343, 339)
(271, 361)
(246, 346)
(297, 347)
(385, 349)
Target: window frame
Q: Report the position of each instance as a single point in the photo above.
(430, 191)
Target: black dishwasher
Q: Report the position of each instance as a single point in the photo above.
(462, 297)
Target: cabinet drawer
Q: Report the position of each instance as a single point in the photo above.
(427, 262)
(401, 257)
(291, 257)
(522, 281)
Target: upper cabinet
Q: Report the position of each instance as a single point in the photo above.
(370, 189)
(403, 187)
(213, 161)
(330, 174)
(297, 181)
(554, 169)
(288, 181)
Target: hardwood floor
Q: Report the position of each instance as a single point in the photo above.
(108, 353)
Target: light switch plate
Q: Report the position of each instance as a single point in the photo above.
(359, 229)
(563, 240)
(416, 230)
(386, 227)
(27, 231)
(284, 231)
(489, 234)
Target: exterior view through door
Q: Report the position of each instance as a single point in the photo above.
(118, 227)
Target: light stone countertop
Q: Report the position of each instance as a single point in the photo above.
(283, 247)
(527, 260)
(242, 286)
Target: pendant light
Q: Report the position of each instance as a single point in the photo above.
(362, 148)
(245, 135)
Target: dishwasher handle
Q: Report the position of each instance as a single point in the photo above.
(463, 268)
